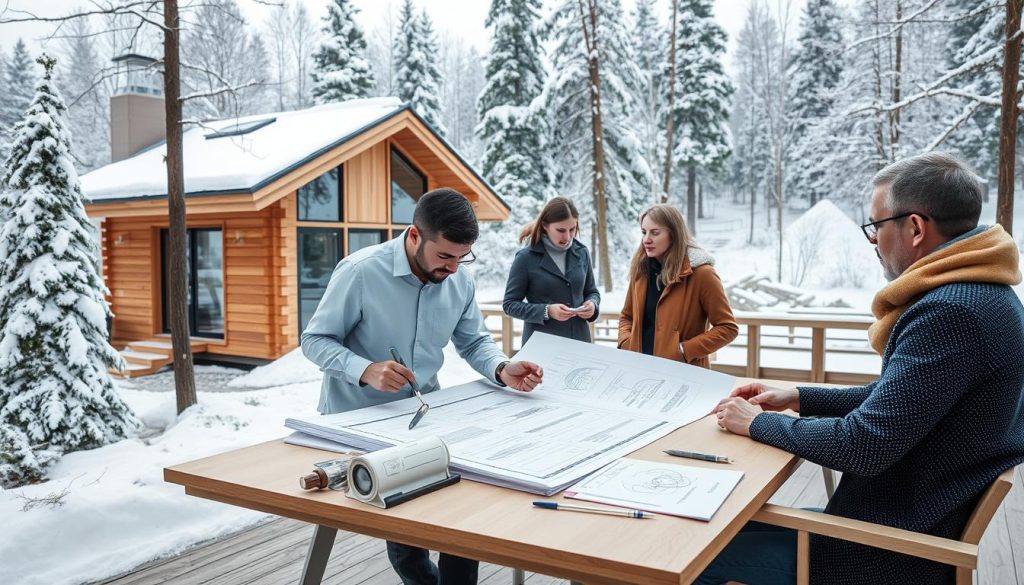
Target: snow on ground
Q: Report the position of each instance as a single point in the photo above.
(115, 511)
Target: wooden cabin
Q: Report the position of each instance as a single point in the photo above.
(273, 203)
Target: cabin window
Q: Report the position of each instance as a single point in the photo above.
(407, 185)
(359, 239)
(321, 199)
(319, 253)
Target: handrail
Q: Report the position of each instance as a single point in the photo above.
(605, 329)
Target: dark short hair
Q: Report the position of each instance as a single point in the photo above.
(446, 212)
(936, 184)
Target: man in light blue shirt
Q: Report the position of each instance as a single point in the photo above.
(408, 293)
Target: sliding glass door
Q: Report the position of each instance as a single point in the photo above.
(204, 260)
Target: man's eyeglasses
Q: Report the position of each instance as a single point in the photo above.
(870, 229)
(469, 258)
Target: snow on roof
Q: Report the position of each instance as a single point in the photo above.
(238, 154)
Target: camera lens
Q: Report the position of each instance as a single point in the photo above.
(361, 480)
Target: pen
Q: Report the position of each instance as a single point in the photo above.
(593, 510)
(424, 407)
(701, 456)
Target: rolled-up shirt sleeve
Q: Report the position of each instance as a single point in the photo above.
(340, 310)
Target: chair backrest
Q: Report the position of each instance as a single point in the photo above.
(987, 506)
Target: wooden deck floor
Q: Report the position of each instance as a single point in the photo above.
(273, 553)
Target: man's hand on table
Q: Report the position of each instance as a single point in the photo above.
(736, 413)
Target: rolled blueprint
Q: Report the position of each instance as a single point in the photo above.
(393, 475)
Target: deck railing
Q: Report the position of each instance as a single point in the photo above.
(783, 333)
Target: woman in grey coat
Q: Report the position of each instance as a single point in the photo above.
(551, 284)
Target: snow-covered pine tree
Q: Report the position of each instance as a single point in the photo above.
(816, 69)
(416, 75)
(54, 353)
(20, 464)
(341, 72)
(703, 91)
(651, 46)
(512, 128)
(18, 83)
(567, 97)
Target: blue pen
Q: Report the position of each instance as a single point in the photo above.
(593, 510)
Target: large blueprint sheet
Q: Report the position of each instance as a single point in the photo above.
(596, 404)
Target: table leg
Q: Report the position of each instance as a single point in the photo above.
(319, 552)
(518, 577)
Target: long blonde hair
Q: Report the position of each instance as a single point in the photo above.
(556, 210)
(671, 219)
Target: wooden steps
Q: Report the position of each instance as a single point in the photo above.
(149, 355)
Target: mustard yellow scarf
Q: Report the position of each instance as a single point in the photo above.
(990, 257)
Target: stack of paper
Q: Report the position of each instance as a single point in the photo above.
(666, 488)
(596, 404)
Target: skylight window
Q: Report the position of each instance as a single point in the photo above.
(241, 128)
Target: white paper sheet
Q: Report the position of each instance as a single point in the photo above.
(579, 420)
(665, 488)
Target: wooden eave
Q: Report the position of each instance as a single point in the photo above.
(405, 128)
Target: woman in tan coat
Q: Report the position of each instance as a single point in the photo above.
(675, 307)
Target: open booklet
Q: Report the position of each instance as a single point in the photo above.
(595, 405)
(666, 488)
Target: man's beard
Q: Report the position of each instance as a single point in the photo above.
(890, 272)
(434, 276)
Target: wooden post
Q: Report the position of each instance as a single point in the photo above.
(507, 333)
(803, 549)
(753, 351)
(818, 354)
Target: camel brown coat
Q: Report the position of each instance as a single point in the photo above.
(686, 309)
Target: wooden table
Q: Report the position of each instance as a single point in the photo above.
(500, 525)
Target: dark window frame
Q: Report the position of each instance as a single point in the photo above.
(341, 241)
(341, 197)
(193, 279)
(382, 232)
(391, 174)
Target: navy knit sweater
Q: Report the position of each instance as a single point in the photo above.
(919, 446)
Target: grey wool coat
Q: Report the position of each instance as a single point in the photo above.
(534, 281)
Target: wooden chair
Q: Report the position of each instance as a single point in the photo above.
(963, 553)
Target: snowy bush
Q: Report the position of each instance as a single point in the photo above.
(54, 353)
(19, 463)
(824, 248)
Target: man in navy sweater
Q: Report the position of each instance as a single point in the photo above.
(918, 446)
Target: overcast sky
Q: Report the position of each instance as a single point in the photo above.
(458, 18)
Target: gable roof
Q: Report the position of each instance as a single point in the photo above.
(245, 155)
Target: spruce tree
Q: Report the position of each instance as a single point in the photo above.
(341, 71)
(817, 68)
(703, 93)
(511, 128)
(18, 82)
(417, 78)
(54, 353)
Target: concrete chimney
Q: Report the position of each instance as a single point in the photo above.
(136, 107)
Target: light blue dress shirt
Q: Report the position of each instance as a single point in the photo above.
(374, 302)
